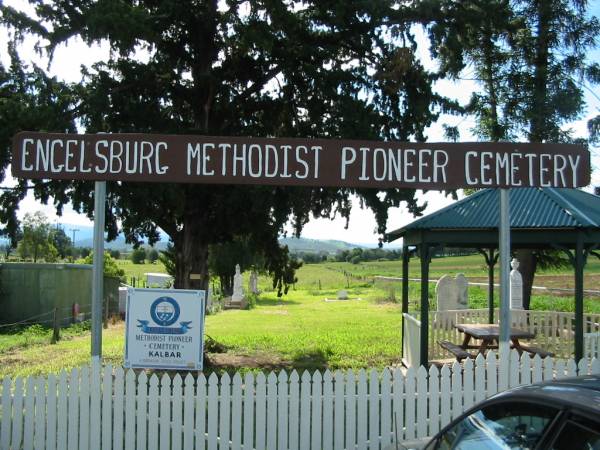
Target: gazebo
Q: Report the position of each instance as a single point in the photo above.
(540, 218)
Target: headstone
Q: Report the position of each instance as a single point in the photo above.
(342, 295)
(452, 293)
(516, 286)
(209, 298)
(445, 291)
(238, 281)
(462, 290)
(253, 283)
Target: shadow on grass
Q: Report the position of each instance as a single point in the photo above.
(313, 360)
(276, 302)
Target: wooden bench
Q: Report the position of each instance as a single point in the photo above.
(535, 351)
(455, 349)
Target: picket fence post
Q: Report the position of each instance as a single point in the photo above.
(188, 412)
(7, 413)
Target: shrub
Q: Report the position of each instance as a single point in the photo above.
(138, 255)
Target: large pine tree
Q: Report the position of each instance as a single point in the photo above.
(237, 68)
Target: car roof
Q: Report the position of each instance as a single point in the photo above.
(578, 392)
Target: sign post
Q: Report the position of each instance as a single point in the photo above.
(98, 268)
(504, 238)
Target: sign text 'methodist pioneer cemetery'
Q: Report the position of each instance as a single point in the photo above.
(297, 161)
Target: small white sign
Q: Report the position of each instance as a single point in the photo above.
(165, 329)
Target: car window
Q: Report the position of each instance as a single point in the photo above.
(499, 426)
(579, 433)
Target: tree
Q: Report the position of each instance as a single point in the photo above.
(61, 242)
(259, 68)
(223, 258)
(37, 238)
(111, 268)
(138, 255)
(152, 255)
(530, 58)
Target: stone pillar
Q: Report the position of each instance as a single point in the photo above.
(516, 286)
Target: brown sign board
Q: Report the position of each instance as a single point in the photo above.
(297, 161)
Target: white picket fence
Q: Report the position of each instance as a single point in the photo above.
(554, 331)
(102, 408)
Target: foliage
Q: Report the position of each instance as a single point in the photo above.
(311, 257)
(138, 255)
(529, 57)
(61, 242)
(37, 242)
(301, 68)
(167, 258)
(357, 255)
(251, 300)
(84, 252)
(111, 268)
(222, 259)
(114, 253)
(152, 255)
(530, 60)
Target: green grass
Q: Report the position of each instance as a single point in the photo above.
(305, 331)
(138, 270)
(301, 331)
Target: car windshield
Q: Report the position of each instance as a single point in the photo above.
(504, 426)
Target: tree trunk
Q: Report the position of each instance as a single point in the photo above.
(540, 114)
(226, 284)
(191, 257)
(527, 267)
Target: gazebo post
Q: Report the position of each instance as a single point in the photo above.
(579, 263)
(491, 263)
(405, 262)
(424, 304)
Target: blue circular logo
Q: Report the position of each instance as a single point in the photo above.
(164, 311)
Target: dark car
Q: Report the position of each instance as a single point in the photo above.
(557, 415)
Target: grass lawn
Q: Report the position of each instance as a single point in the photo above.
(306, 331)
(302, 331)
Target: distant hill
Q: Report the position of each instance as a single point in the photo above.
(299, 245)
(84, 238)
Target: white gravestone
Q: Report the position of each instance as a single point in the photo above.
(253, 283)
(452, 293)
(238, 281)
(516, 286)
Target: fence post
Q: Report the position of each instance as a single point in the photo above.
(105, 325)
(55, 328)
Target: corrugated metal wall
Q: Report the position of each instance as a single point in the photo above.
(29, 290)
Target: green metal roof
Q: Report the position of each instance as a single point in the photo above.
(530, 208)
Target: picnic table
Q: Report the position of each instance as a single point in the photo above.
(489, 335)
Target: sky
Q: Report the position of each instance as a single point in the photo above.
(362, 226)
